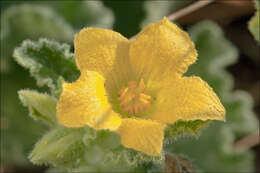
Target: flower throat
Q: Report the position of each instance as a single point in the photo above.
(133, 98)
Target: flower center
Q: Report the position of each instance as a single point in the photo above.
(133, 98)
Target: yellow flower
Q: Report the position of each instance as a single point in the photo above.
(136, 88)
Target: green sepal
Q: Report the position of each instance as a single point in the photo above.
(60, 147)
(191, 128)
(48, 62)
(41, 106)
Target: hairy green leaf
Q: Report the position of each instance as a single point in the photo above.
(48, 62)
(29, 21)
(60, 147)
(41, 106)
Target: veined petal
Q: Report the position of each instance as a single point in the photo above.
(162, 49)
(84, 102)
(142, 135)
(104, 51)
(187, 98)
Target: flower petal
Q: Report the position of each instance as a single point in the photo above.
(110, 121)
(142, 135)
(85, 102)
(188, 98)
(104, 51)
(162, 49)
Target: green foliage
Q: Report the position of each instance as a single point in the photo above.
(47, 61)
(240, 115)
(116, 157)
(78, 14)
(19, 132)
(85, 149)
(85, 13)
(30, 22)
(213, 150)
(41, 106)
(100, 145)
(20, 21)
(128, 16)
(60, 147)
(33, 21)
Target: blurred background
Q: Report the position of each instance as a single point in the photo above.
(228, 60)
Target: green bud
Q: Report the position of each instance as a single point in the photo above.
(61, 147)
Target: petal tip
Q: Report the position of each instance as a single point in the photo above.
(165, 21)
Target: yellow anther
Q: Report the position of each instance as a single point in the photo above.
(133, 98)
(144, 101)
(123, 92)
(145, 96)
